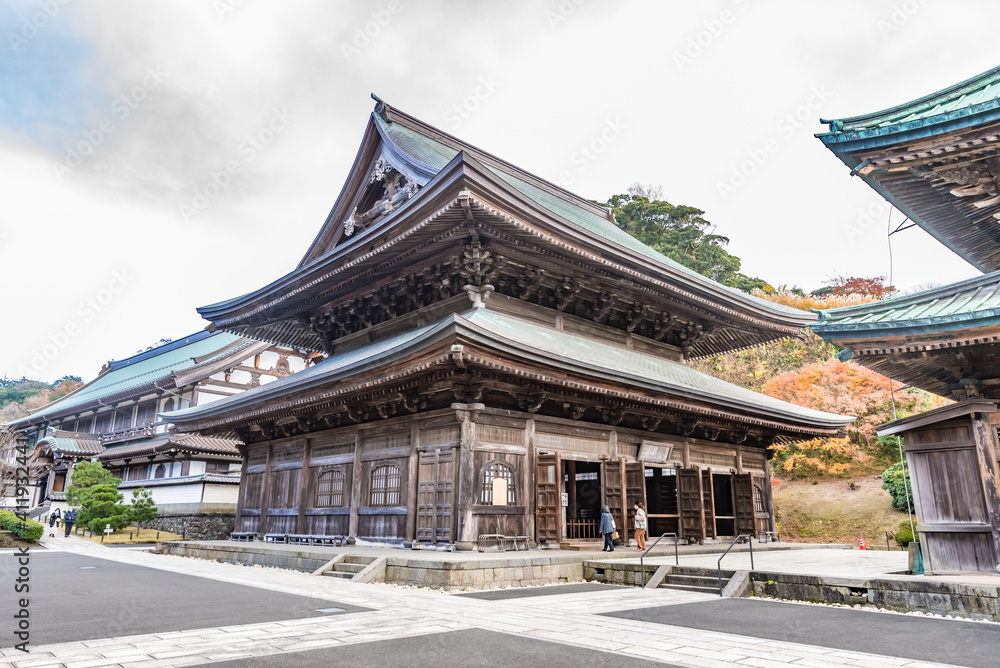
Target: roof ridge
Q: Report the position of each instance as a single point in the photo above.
(391, 114)
(910, 299)
(919, 104)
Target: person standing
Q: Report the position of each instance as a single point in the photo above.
(54, 518)
(69, 519)
(607, 527)
(640, 527)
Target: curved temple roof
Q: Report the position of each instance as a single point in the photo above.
(443, 165)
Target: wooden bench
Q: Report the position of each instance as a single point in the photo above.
(243, 536)
(313, 539)
(275, 538)
(333, 541)
(299, 539)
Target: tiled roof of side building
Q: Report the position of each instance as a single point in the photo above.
(519, 337)
(971, 303)
(143, 370)
(71, 443)
(188, 443)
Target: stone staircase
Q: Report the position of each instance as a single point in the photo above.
(704, 580)
(349, 566)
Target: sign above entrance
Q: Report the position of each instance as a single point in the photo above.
(655, 452)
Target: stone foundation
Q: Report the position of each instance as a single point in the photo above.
(918, 595)
(202, 526)
(485, 574)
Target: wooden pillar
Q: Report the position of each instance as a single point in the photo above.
(305, 493)
(530, 494)
(241, 495)
(412, 485)
(624, 516)
(571, 485)
(739, 459)
(265, 490)
(465, 487)
(356, 478)
(701, 488)
(686, 455)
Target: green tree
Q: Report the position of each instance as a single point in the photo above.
(86, 476)
(682, 234)
(142, 509)
(104, 506)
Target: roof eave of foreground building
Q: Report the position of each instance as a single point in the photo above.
(456, 325)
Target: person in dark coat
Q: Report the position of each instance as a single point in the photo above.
(54, 517)
(69, 519)
(606, 528)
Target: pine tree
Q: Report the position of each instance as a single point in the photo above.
(142, 509)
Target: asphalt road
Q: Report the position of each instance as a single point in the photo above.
(75, 598)
(529, 592)
(905, 636)
(472, 648)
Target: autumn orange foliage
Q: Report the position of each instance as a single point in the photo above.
(847, 389)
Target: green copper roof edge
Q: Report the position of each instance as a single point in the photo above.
(908, 300)
(869, 138)
(929, 101)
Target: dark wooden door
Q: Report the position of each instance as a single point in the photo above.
(746, 520)
(614, 494)
(689, 493)
(635, 490)
(708, 500)
(435, 495)
(761, 503)
(547, 498)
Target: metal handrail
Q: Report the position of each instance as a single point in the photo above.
(735, 540)
(887, 534)
(677, 558)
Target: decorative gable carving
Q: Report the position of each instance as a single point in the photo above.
(387, 190)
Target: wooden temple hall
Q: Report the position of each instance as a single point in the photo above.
(500, 358)
(937, 159)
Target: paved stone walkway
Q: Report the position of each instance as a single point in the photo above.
(573, 618)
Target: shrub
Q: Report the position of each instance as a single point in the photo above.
(904, 536)
(26, 529)
(896, 481)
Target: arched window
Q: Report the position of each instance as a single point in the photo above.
(491, 471)
(330, 489)
(168, 406)
(385, 481)
(161, 471)
(758, 499)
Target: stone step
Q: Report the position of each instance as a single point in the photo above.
(714, 589)
(357, 559)
(704, 572)
(694, 580)
(343, 567)
(339, 574)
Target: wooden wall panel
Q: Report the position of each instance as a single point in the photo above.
(382, 527)
(327, 525)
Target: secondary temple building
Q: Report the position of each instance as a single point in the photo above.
(113, 419)
(500, 358)
(937, 159)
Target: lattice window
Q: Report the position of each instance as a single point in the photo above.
(330, 489)
(161, 471)
(492, 471)
(758, 499)
(385, 481)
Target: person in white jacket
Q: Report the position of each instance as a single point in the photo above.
(640, 527)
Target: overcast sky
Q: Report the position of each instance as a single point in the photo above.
(114, 116)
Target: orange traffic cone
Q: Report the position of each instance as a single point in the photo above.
(861, 541)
